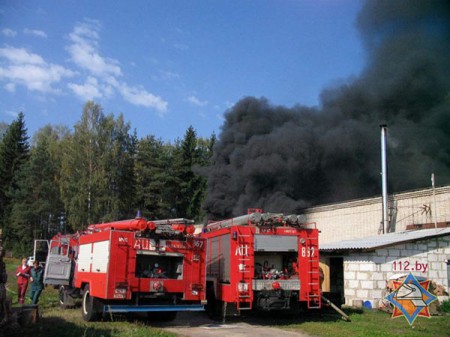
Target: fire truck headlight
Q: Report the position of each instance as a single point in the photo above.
(158, 286)
(196, 288)
(120, 293)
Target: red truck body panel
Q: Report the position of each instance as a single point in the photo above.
(127, 266)
(113, 264)
(262, 265)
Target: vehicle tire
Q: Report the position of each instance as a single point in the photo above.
(62, 297)
(65, 300)
(89, 306)
(211, 305)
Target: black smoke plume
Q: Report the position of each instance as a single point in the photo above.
(284, 159)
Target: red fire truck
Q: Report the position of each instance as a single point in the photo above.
(134, 265)
(261, 261)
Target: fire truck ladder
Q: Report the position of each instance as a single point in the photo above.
(314, 293)
(242, 302)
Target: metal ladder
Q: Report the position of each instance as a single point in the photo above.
(314, 294)
(242, 302)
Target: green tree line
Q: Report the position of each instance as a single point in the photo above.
(99, 172)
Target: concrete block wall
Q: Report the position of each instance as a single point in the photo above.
(366, 274)
(362, 218)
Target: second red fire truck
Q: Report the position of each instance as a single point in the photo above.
(261, 261)
(134, 265)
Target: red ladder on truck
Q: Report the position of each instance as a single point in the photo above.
(244, 298)
(314, 293)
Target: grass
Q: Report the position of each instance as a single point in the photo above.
(373, 323)
(69, 323)
(445, 306)
(364, 323)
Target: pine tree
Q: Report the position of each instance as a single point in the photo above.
(205, 157)
(14, 153)
(191, 154)
(153, 167)
(37, 209)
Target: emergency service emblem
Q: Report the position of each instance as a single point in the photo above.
(411, 298)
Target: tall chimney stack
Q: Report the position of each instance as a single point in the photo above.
(385, 218)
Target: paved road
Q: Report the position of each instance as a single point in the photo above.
(197, 324)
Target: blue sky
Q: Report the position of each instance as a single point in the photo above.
(170, 64)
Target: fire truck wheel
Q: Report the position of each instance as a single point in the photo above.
(215, 308)
(89, 307)
(62, 297)
(211, 305)
(166, 316)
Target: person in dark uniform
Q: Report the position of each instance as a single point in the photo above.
(37, 282)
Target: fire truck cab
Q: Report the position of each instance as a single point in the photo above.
(134, 265)
(263, 262)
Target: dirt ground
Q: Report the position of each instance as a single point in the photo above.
(197, 324)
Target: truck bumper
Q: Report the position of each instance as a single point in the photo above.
(150, 308)
(274, 300)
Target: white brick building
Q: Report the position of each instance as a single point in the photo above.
(368, 263)
(358, 261)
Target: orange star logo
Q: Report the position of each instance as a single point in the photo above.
(411, 298)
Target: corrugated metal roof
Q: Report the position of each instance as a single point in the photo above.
(383, 240)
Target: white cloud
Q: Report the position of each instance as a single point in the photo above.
(9, 32)
(11, 113)
(20, 56)
(220, 117)
(85, 54)
(38, 33)
(87, 91)
(11, 87)
(140, 96)
(194, 100)
(103, 72)
(30, 70)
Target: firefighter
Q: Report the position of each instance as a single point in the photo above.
(258, 270)
(293, 267)
(158, 271)
(147, 272)
(37, 282)
(23, 274)
(266, 267)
